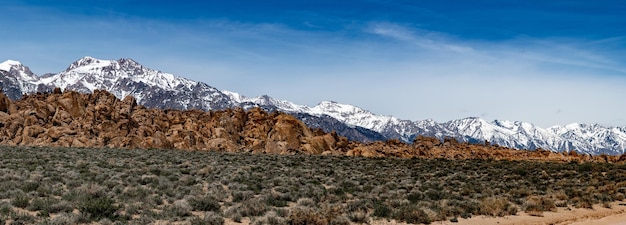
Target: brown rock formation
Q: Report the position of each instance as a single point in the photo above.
(100, 119)
(71, 119)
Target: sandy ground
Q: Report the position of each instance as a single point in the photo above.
(599, 215)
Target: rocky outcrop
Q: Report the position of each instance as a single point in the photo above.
(450, 148)
(72, 119)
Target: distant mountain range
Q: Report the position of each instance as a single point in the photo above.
(153, 88)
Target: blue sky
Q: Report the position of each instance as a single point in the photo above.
(544, 62)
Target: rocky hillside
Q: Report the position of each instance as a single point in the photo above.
(99, 119)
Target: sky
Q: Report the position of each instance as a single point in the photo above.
(544, 62)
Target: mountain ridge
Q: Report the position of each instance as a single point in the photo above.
(156, 89)
(101, 120)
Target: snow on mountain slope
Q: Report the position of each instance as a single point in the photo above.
(7, 65)
(348, 114)
(22, 72)
(593, 136)
(591, 139)
(88, 74)
(352, 115)
(157, 89)
(17, 79)
(150, 87)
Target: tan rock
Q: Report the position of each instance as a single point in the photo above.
(222, 145)
(33, 131)
(5, 103)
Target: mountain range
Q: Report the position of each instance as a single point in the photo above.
(156, 89)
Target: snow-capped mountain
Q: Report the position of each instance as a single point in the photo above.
(17, 79)
(157, 89)
(150, 87)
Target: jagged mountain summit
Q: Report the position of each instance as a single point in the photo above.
(17, 79)
(156, 89)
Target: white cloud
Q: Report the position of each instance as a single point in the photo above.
(403, 71)
(424, 39)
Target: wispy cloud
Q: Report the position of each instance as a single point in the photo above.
(422, 38)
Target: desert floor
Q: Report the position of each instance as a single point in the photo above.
(599, 215)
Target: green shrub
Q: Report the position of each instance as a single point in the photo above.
(239, 196)
(5, 209)
(253, 208)
(497, 207)
(204, 203)
(306, 216)
(381, 210)
(434, 195)
(585, 167)
(179, 208)
(276, 202)
(583, 202)
(97, 208)
(539, 204)
(358, 217)
(61, 206)
(411, 214)
(619, 197)
(415, 197)
(210, 218)
(20, 201)
(42, 204)
(43, 213)
(340, 220)
(22, 218)
(30, 186)
(359, 205)
(306, 202)
(270, 218)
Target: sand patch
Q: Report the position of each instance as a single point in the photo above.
(616, 215)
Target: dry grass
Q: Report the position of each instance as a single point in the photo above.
(109, 186)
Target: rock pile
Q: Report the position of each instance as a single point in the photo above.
(71, 119)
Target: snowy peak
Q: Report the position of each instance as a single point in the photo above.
(88, 74)
(89, 64)
(85, 61)
(506, 124)
(477, 128)
(577, 129)
(339, 109)
(352, 115)
(7, 65)
(282, 105)
(128, 63)
(125, 66)
(16, 79)
(18, 69)
(518, 126)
